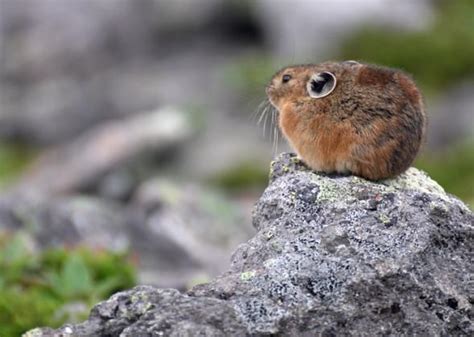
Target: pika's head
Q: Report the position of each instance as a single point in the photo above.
(325, 88)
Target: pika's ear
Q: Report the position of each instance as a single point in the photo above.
(321, 84)
(370, 75)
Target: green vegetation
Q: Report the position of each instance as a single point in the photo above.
(437, 57)
(453, 169)
(244, 176)
(249, 75)
(55, 286)
(13, 160)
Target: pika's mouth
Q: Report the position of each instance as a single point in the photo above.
(270, 91)
(273, 103)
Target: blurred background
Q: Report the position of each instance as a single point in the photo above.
(130, 128)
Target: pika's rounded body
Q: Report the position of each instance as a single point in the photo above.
(350, 118)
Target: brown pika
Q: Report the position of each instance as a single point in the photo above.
(348, 117)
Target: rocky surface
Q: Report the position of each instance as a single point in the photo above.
(332, 255)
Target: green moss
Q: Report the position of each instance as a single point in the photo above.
(438, 56)
(55, 286)
(14, 158)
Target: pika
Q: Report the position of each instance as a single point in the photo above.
(350, 118)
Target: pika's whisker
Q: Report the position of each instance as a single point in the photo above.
(258, 111)
(262, 114)
(277, 131)
(265, 121)
(274, 132)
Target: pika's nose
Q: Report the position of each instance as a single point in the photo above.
(269, 89)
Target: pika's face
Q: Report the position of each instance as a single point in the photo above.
(307, 83)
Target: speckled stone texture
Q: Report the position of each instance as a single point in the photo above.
(332, 256)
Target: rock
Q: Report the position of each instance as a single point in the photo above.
(183, 233)
(181, 311)
(333, 255)
(178, 234)
(81, 163)
(65, 222)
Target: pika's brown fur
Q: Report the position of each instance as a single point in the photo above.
(372, 124)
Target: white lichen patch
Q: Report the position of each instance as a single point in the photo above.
(331, 191)
(440, 207)
(384, 219)
(414, 179)
(247, 275)
(142, 297)
(33, 333)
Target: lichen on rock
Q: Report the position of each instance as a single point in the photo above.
(333, 255)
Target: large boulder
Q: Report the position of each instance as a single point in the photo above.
(333, 255)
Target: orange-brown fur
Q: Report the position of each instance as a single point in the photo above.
(371, 125)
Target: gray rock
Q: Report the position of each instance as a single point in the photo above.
(180, 234)
(183, 233)
(82, 162)
(65, 222)
(333, 255)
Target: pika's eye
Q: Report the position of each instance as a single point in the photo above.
(321, 84)
(285, 78)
